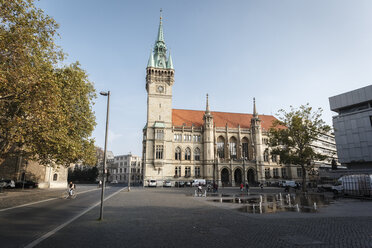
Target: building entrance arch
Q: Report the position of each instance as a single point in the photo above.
(225, 177)
(251, 177)
(238, 177)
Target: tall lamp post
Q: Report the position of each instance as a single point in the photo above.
(104, 153)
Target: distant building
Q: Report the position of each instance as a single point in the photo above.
(109, 163)
(125, 167)
(47, 176)
(325, 144)
(353, 127)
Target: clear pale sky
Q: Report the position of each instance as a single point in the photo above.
(283, 52)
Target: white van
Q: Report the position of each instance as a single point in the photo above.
(286, 183)
(196, 182)
(152, 183)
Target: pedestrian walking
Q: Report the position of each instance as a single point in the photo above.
(241, 187)
(247, 187)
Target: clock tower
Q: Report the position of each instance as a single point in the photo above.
(157, 134)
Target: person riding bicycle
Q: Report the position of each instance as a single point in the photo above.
(71, 188)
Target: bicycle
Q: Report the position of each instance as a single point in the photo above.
(68, 195)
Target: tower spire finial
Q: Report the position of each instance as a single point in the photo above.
(254, 107)
(207, 107)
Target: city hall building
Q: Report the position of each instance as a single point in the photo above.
(221, 147)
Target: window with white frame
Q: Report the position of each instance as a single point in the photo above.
(177, 137)
(177, 171)
(187, 137)
(159, 151)
(159, 134)
(197, 171)
(299, 172)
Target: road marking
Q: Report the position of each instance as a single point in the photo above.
(50, 199)
(47, 235)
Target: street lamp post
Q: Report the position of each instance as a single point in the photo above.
(104, 153)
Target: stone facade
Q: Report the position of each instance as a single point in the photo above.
(50, 176)
(181, 145)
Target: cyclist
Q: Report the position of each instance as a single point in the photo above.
(71, 188)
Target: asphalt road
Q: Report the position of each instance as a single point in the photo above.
(21, 226)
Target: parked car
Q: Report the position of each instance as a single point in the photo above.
(188, 184)
(27, 184)
(114, 181)
(180, 184)
(7, 183)
(152, 183)
(286, 183)
(167, 184)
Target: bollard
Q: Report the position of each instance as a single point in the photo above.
(297, 208)
(254, 209)
(260, 198)
(289, 200)
(239, 201)
(195, 194)
(314, 205)
(260, 207)
(205, 193)
(221, 199)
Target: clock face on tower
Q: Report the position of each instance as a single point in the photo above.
(160, 89)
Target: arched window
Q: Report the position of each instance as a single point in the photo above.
(187, 154)
(232, 145)
(221, 147)
(266, 156)
(177, 154)
(197, 154)
(245, 153)
(55, 177)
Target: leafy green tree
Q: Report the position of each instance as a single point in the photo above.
(45, 109)
(292, 135)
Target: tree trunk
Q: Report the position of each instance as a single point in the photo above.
(304, 188)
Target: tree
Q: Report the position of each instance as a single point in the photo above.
(292, 135)
(45, 109)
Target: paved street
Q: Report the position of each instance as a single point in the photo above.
(173, 218)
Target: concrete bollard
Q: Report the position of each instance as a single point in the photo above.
(297, 208)
(239, 201)
(315, 206)
(260, 207)
(260, 198)
(289, 200)
(221, 199)
(195, 194)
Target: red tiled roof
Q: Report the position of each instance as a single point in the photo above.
(189, 117)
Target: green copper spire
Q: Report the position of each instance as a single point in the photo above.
(151, 60)
(160, 50)
(170, 62)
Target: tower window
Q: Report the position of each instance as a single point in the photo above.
(159, 134)
(159, 151)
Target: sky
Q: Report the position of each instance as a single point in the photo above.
(282, 52)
